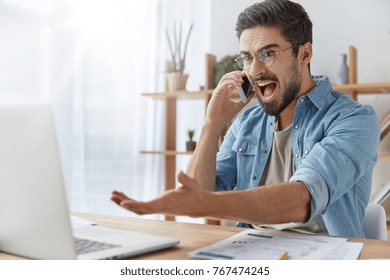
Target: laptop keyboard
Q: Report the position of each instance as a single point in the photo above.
(84, 246)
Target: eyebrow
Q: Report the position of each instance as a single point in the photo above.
(268, 46)
(272, 45)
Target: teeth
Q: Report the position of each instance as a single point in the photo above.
(264, 83)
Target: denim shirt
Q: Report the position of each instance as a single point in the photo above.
(334, 145)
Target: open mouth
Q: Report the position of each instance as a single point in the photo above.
(267, 88)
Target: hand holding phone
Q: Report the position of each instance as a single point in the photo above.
(245, 89)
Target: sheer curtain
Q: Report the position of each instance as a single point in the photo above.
(92, 60)
(108, 49)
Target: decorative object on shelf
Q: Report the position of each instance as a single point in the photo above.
(190, 144)
(342, 73)
(223, 66)
(176, 78)
(176, 81)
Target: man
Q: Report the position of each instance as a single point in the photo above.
(301, 160)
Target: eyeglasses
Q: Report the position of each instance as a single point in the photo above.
(265, 56)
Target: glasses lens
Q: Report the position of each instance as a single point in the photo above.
(240, 62)
(267, 57)
(243, 62)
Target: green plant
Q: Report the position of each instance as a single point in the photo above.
(223, 66)
(191, 134)
(177, 56)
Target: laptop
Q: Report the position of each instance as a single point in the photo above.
(34, 218)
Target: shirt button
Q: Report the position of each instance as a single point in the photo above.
(296, 126)
(240, 150)
(254, 177)
(264, 151)
(306, 152)
(301, 100)
(296, 155)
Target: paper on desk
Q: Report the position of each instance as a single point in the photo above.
(259, 245)
(347, 251)
(77, 222)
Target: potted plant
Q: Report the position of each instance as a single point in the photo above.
(190, 144)
(176, 78)
(223, 66)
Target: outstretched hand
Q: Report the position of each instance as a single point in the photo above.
(189, 199)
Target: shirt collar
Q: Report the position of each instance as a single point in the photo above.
(319, 94)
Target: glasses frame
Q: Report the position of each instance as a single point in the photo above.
(239, 59)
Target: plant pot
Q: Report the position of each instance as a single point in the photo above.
(176, 81)
(190, 145)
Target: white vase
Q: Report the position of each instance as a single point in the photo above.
(342, 73)
(176, 81)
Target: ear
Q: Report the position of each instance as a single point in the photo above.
(306, 53)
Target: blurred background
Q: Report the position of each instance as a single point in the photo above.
(92, 59)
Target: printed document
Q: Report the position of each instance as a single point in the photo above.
(259, 245)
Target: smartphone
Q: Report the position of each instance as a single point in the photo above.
(245, 90)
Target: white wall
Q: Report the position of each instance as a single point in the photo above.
(337, 24)
(364, 24)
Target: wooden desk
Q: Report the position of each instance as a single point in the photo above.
(193, 236)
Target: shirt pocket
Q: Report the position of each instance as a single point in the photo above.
(246, 150)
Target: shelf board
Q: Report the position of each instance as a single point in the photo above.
(179, 94)
(384, 157)
(364, 88)
(167, 152)
(184, 95)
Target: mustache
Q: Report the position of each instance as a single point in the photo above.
(266, 78)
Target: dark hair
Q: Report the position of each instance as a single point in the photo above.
(290, 17)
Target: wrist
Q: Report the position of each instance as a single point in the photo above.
(214, 126)
(210, 199)
(217, 205)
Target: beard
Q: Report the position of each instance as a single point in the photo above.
(289, 91)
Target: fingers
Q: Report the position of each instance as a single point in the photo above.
(227, 85)
(182, 201)
(231, 80)
(118, 197)
(140, 208)
(130, 204)
(185, 180)
(117, 193)
(235, 76)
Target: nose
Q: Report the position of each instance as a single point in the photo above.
(257, 68)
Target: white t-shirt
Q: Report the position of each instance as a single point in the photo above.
(280, 168)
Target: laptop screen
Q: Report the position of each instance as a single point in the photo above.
(34, 218)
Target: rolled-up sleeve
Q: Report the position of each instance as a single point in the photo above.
(346, 153)
(316, 186)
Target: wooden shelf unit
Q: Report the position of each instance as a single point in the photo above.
(354, 89)
(384, 157)
(170, 99)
